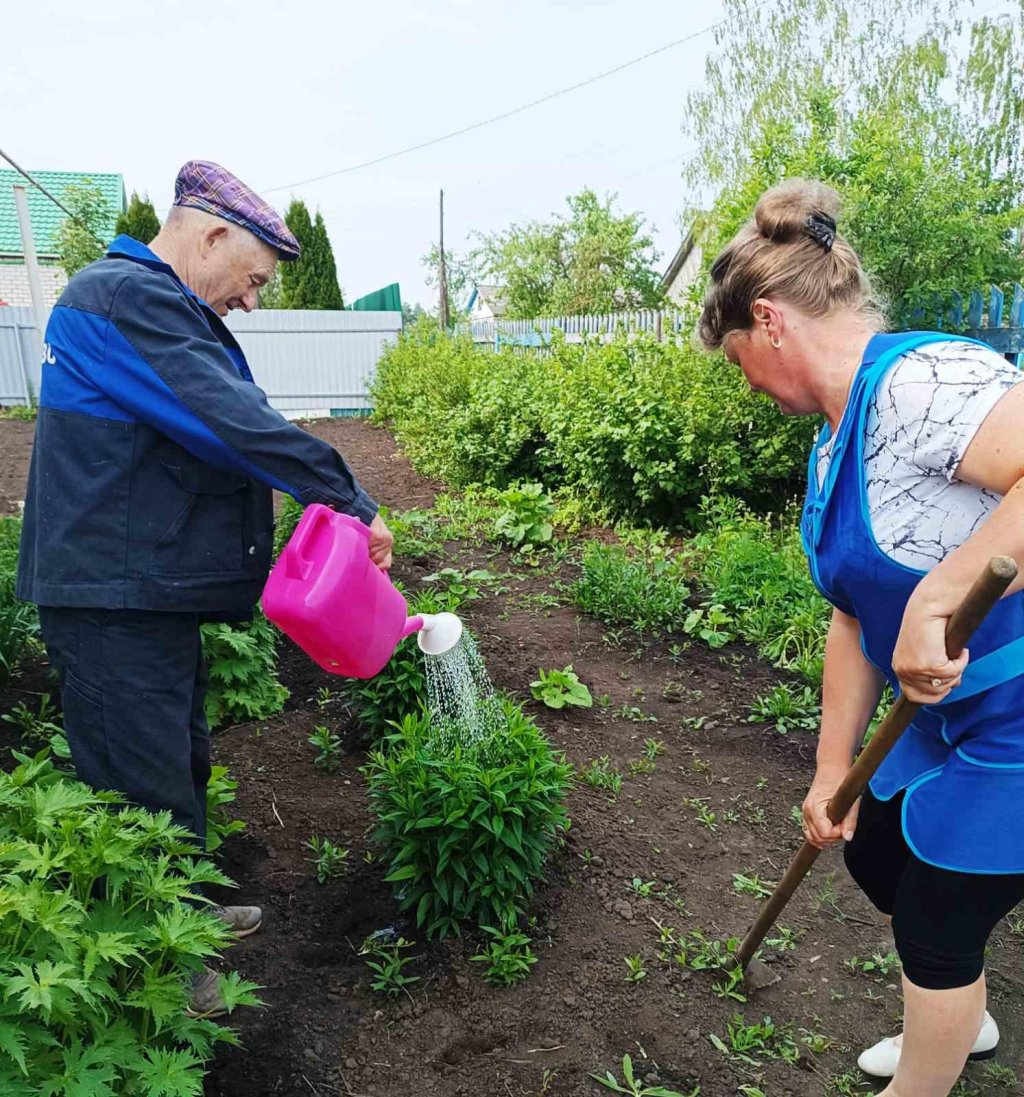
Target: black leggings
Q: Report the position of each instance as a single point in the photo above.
(941, 919)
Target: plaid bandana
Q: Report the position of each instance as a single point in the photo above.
(207, 186)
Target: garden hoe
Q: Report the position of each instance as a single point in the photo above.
(989, 588)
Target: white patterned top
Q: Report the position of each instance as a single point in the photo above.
(924, 414)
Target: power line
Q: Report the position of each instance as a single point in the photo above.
(56, 201)
(499, 117)
(35, 182)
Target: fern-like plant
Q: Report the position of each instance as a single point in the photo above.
(99, 936)
(242, 661)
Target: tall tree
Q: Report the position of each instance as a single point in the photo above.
(918, 125)
(139, 220)
(594, 259)
(461, 272)
(270, 295)
(83, 238)
(311, 282)
(298, 289)
(328, 291)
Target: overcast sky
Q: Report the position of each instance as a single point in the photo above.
(281, 94)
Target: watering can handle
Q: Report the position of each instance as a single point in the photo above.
(300, 538)
(299, 562)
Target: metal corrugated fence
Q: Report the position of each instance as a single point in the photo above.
(19, 354)
(308, 362)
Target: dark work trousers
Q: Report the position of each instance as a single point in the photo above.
(133, 683)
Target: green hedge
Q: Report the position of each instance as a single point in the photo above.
(19, 622)
(640, 428)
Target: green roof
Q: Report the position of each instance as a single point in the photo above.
(44, 215)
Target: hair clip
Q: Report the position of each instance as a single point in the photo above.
(822, 229)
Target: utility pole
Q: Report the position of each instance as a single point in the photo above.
(28, 246)
(442, 279)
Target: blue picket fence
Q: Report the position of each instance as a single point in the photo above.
(981, 318)
(537, 334)
(982, 315)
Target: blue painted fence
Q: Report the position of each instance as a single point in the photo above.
(984, 316)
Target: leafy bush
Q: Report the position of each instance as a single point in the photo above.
(285, 521)
(388, 963)
(97, 943)
(642, 428)
(756, 571)
(507, 954)
(328, 858)
(619, 589)
(787, 708)
(243, 671)
(558, 688)
(19, 622)
(220, 792)
(35, 727)
(466, 832)
(525, 518)
(27, 413)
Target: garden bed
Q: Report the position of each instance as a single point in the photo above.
(652, 854)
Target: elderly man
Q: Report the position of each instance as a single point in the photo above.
(149, 506)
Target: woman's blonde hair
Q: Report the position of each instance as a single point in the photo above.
(789, 250)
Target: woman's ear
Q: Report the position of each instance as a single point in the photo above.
(769, 319)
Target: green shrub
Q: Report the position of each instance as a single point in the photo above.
(558, 688)
(466, 832)
(27, 413)
(619, 589)
(19, 623)
(97, 943)
(285, 521)
(242, 661)
(220, 792)
(418, 384)
(525, 518)
(641, 428)
(416, 532)
(756, 569)
(508, 956)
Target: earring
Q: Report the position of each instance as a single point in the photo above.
(776, 342)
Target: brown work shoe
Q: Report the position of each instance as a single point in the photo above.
(205, 999)
(241, 920)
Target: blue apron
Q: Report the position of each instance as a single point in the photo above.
(961, 761)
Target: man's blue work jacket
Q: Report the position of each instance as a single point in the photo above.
(155, 453)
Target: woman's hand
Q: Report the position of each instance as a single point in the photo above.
(818, 829)
(919, 660)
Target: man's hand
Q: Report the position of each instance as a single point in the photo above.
(380, 543)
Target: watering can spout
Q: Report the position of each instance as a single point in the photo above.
(438, 632)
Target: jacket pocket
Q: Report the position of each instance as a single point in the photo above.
(208, 533)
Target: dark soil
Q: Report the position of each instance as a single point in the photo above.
(324, 1030)
(15, 453)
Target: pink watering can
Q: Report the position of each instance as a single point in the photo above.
(342, 610)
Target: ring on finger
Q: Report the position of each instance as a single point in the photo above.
(936, 683)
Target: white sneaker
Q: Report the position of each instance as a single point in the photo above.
(881, 1060)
